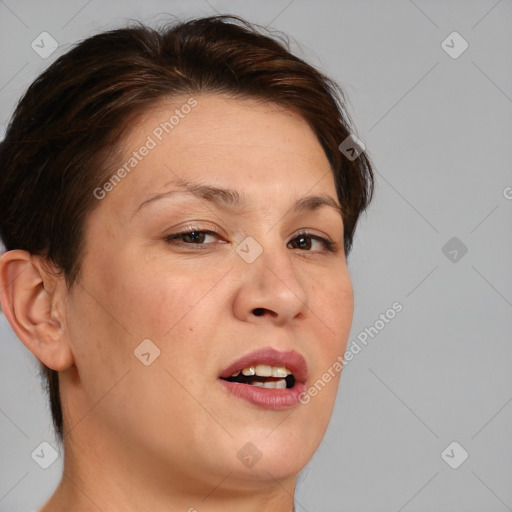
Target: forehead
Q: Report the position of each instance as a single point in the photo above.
(259, 148)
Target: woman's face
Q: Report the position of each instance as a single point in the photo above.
(259, 279)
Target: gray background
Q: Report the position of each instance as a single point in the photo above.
(439, 131)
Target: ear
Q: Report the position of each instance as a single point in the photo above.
(33, 301)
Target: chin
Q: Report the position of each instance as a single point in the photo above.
(266, 472)
(268, 455)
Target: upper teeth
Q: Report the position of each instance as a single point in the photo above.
(264, 370)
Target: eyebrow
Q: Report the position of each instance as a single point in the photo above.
(232, 199)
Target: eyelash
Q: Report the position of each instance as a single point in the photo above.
(329, 245)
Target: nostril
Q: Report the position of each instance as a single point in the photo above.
(263, 312)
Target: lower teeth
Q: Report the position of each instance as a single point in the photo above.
(270, 384)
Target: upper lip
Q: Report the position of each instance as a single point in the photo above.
(269, 356)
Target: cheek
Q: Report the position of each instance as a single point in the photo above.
(333, 304)
(332, 309)
(117, 304)
(335, 307)
(178, 309)
(120, 309)
(151, 298)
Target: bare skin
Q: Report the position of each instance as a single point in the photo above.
(165, 437)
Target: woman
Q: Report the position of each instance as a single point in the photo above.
(177, 211)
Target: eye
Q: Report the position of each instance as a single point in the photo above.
(193, 237)
(307, 241)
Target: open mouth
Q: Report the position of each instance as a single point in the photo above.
(267, 378)
(264, 376)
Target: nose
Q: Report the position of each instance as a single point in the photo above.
(270, 290)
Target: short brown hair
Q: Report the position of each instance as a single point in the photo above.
(58, 145)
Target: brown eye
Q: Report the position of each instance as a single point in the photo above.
(305, 242)
(302, 242)
(192, 237)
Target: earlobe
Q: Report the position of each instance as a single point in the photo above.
(32, 302)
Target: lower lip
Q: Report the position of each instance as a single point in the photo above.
(275, 399)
